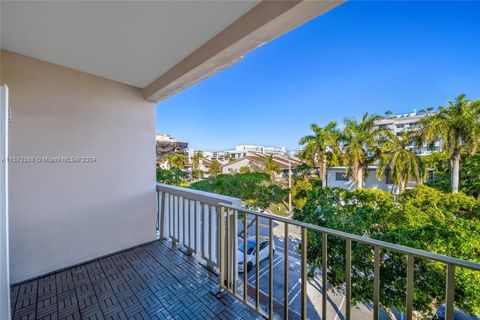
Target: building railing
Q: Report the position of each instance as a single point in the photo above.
(190, 219)
(207, 225)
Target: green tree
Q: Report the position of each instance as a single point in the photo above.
(173, 176)
(398, 160)
(245, 169)
(321, 147)
(215, 168)
(422, 218)
(196, 159)
(176, 160)
(270, 167)
(469, 171)
(360, 140)
(255, 189)
(458, 128)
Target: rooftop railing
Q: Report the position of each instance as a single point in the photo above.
(207, 225)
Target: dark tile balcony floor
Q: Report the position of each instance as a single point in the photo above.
(152, 281)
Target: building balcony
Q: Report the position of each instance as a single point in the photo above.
(151, 281)
(192, 271)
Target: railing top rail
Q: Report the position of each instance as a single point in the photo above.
(197, 195)
(365, 240)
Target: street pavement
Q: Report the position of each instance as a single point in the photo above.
(335, 300)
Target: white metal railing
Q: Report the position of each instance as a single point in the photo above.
(230, 283)
(206, 224)
(190, 218)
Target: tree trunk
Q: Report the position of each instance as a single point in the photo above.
(455, 171)
(360, 178)
(324, 171)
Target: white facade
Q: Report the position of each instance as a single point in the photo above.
(336, 177)
(235, 167)
(64, 213)
(401, 123)
(248, 148)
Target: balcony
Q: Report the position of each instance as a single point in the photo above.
(77, 238)
(192, 271)
(151, 281)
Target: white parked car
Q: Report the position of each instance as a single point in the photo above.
(264, 249)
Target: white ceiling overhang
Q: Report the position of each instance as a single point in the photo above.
(142, 43)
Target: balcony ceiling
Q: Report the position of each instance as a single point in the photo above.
(130, 42)
(160, 46)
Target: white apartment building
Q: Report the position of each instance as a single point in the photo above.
(248, 148)
(338, 177)
(400, 123)
(239, 152)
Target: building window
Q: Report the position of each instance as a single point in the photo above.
(400, 125)
(341, 176)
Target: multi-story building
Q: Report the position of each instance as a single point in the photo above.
(165, 144)
(245, 149)
(408, 122)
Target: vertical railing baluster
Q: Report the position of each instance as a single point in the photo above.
(450, 292)
(257, 263)
(304, 274)
(285, 280)
(234, 251)
(228, 251)
(189, 225)
(158, 212)
(210, 232)
(178, 219)
(348, 274)
(324, 275)
(162, 215)
(217, 221)
(245, 262)
(221, 259)
(203, 230)
(184, 222)
(174, 214)
(170, 218)
(196, 224)
(376, 282)
(410, 268)
(270, 269)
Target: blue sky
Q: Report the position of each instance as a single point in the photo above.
(360, 57)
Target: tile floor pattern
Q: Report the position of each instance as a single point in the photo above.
(152, 281)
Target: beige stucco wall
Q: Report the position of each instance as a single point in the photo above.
(65, 213)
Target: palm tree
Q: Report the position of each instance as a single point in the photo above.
(215, 168)
(360, 141)
(176, 160)
(321, 147)
(397, 160)
(458, 128)
(197, 157)
(270, 167)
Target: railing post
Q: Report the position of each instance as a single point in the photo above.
(161, 210)
(376, 282)
(285, 280)
(157, 226)
(450, 292)
(410, 280)
(221, 260)
(324, 275)
(304, 274)
(348, 281)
